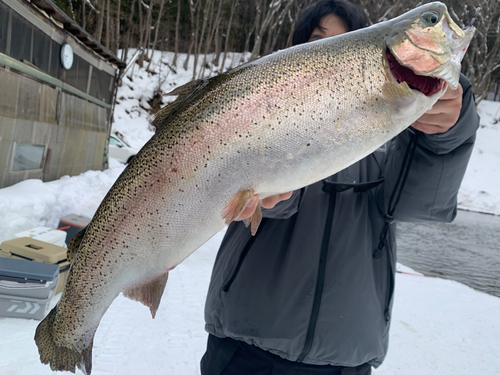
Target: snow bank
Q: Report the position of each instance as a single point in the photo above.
(480, 190)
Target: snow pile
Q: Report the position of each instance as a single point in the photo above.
(32, 203)
(480, 190)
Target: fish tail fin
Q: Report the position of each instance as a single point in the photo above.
(60, 358)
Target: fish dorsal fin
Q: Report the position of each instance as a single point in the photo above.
(149, 294)
(186, 88)
(74, 245)
(184, 92)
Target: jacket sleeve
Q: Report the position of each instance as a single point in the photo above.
(437, 169)
(287, 208)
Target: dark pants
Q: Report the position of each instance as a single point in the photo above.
(232, 357)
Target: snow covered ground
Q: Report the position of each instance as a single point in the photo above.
(439, 326)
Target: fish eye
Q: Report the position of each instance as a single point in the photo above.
(430, 18)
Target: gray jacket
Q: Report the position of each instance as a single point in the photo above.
(310, 286)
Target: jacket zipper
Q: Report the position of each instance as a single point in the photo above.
(318, 293)
(242, 257)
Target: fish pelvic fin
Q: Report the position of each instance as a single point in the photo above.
(149, 294)
(236, 205)
(60, 358)
(254, 220)
(74, 245)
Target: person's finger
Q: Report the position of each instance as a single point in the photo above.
(445, 106)
(453, 93)
(429, 128)
(271, 201)
(445, 120)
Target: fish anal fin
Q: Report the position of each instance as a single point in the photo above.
(149, 294)
(74, 245)
(236, 205)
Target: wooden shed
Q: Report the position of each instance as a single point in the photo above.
(57, 89)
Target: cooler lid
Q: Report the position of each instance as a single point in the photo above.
(33, 249)
(24, 270)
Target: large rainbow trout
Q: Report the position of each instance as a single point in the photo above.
(270, 126)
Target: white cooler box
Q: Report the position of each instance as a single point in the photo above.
(53, 236)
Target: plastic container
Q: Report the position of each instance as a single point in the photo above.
(72, 224)
(35, 250)
(23, 278)
(24, 307)
(45, 234)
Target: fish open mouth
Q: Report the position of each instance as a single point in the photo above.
(425, 84)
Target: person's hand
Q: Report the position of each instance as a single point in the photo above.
(443, 115)
(268, 202)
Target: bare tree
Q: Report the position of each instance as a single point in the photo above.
(218, 36)
(212, 28)
(100, 20)
(128, 34)
(268, 16)
(177, 24)
(228, 32)
(117, 38)
(84, 18)
(157, 28)
(193, 11)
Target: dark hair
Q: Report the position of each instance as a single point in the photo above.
(311, 16)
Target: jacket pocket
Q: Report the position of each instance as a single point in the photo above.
(227, 285)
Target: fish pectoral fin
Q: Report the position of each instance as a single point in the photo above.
(74, 245)
(399, 96)
(149, 294)
(236, 205)
(254, 220)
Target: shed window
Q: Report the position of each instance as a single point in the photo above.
(55, 64)
(4, 23)
(78, 75)
(28, 157)
(41, 50)
(20, 45)
(101, 85)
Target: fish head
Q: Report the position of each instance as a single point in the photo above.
(425, 48)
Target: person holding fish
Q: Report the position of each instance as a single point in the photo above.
(312, 291)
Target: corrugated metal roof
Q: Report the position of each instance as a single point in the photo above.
(77, 31)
